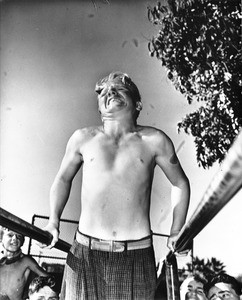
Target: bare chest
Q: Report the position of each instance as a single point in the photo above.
(110, 155)
(13, 277)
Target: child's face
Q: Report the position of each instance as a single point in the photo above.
(12, 241)
(45, 293)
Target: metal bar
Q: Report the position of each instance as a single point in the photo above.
(19, 225)
(172, 280)
(225, 184)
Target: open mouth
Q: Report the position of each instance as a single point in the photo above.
(114, 99)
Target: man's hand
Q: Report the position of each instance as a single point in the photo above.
(171, 245)
(171, 241)
(54, 231)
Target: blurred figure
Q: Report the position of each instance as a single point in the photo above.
(43, 288)
(15, 266)
(192, 288)
(223, 286)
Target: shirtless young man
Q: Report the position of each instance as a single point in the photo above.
(112, 256)
(15, 266)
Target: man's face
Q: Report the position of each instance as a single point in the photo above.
(12, 241)
(193, 290)
(115, 97)
(222, 291)
(45, 293)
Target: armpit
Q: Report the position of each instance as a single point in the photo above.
(173, 159)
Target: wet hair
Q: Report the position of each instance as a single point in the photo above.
(41, 281)
(225, 278)
(125, 80)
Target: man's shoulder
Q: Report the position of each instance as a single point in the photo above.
(156, 138)
(150, 131)
(86, 132)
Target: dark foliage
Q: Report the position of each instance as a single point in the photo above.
(208, 268)
(199, 43)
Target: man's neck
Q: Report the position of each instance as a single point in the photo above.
(118, 128)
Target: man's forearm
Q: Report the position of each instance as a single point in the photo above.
(59, 195)
(180, 197)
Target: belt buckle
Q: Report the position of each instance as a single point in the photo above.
(116, 246)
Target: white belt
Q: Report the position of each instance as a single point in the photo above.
(112, 246)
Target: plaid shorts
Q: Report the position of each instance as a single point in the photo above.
(100, 275)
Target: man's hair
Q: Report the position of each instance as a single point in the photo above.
(41, 281)
(200, 278)
(225, 278)
(123, 79)
(197, 277)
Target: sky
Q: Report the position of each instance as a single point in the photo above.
(52, 54)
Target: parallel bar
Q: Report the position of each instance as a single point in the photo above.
(225, 184)
(172, 280)
(19, 225)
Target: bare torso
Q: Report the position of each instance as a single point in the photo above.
(116, 187)
(13, 278)
(118, 161)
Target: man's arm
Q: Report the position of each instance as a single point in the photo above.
(167, 160)
(61, 187)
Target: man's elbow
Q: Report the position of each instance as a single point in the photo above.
(183, 183)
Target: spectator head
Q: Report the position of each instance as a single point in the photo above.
(11, 240)
(192, 288)
(223, 286)
(43, 288)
